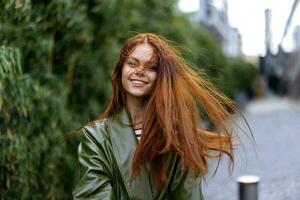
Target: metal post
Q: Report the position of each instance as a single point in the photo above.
(248, 187)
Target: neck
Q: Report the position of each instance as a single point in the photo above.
(135, 107)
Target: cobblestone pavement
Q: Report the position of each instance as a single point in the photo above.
(275, 124)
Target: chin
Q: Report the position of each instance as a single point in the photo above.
(138, 94)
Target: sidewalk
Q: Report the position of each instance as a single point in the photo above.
(275, 123)
(272, 104)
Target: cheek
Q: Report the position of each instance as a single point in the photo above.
(126, 73)
(124, 77)
(153, 77)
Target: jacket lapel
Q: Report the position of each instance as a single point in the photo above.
(124, 144)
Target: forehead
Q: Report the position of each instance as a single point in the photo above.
(143, 53)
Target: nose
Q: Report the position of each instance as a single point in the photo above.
(139, 71)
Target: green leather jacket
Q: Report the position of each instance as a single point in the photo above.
(105, 155)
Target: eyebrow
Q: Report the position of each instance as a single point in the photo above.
(135, 59)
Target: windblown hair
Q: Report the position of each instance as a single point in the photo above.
(172, 119)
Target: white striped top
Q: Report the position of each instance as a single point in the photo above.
(138, 134)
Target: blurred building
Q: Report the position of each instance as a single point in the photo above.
(297, 37)
(268, 31)
(282, 69)
(293, 71)
(213, 14)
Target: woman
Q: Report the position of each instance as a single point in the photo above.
(150, 142)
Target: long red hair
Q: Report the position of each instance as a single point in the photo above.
(172, 118)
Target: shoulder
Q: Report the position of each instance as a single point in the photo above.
(96, 130)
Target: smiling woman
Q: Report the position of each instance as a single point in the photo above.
(150, 142)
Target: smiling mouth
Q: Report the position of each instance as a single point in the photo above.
(138, 81)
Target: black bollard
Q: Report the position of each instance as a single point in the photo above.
(248, 187)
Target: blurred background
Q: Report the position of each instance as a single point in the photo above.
(56, 58)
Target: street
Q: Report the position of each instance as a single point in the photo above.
(275, 158)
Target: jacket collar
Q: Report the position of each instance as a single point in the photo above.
(124, 145)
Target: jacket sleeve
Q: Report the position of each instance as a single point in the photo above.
(186, 186)
(94, 181)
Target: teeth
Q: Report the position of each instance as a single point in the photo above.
(137, 81)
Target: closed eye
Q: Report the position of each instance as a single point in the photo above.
(131, 64)
(153, 68)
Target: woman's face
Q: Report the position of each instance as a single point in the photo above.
(140, 71)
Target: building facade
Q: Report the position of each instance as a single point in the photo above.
(297, 38)
(282, 70)
(213, 14)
